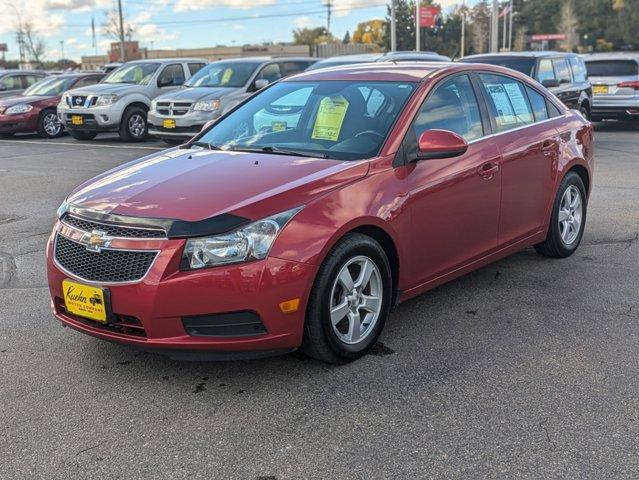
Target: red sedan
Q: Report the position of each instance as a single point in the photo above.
(35, 110)
(303, 216)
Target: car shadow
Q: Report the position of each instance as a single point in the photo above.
(616, 126)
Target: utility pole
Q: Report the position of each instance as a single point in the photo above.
(122, 55)
(393, 28)
(494, 28)
(61, 49)
(329, 5)
(503, 36)
(417, 29)
(510, 29)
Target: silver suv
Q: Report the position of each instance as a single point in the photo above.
(218, 87)
(121, 101)
(615, 85)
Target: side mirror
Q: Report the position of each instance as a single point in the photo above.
(550, 83)
(440, 144)
(260, 83)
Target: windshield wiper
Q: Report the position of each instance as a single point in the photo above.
(206, 145)
(282, 151)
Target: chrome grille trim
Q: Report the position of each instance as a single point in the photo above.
(112, 229)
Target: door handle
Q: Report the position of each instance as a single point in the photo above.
(488, 170)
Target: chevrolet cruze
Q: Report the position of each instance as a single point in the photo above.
(300, 218)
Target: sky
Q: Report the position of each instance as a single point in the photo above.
(179, 23)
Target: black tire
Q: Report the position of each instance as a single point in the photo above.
(42, 128)
(320, 341)
(6, 135)
(82, 134)
(554, 246)
(585, 111)
(127, 132)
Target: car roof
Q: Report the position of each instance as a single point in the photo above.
(166, 60)
(611, 56)
(418, 56)
(537, 54)
(400, 71)
(355, 57)
(28, 72)
(266, 59)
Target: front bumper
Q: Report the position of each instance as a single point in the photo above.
(156, 306)
(95, 119)
(186, 126)
(22, 123)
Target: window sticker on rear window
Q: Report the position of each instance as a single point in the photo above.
(518, 101)
(330, 117)
(505, 111)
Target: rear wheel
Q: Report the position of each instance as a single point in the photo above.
(133, 126)
(49, 126)
(568, 219)
(350, 301)
(82, 134)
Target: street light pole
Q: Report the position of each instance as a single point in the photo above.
(417, 29)
(494, 28)
(393, 28)
(462, 48)
(510, 28)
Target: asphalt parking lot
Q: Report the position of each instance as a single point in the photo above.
(525, 368)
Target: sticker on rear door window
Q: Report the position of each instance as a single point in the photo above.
(330, 117)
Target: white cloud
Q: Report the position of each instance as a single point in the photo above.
(303, 22)
(151, 32)
(186, 5)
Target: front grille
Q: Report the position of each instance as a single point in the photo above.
(80, 101)
(108, 266)
(173, 108)
(113, 230)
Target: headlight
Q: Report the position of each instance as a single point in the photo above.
(20, 108)
(154, 105)
(251, 242)
(206, 105)
(64, 101)
(105, 100)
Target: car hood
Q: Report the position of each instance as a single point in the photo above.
(107, 88)
(196, 184)
(197, 93)
(11, 101)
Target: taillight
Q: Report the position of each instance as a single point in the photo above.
(633, 84)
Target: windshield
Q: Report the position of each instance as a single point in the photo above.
(344, 120)
(523, 65)
(49, 86)
(135, 73)
(223, 74)
(612, 68)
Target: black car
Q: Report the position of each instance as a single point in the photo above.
(564, 74)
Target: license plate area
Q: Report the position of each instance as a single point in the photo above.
(168, 123)
(77, 120)
(86, 301)
(600, 89)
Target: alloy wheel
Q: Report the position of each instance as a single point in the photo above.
(51, 124)
(570, 215)
(356, 300)
(137, 125)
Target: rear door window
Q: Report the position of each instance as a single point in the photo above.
(11, 82)
(508, 102)
(538, 104)
(612, 68)
(195, 67)
(451, 106)
(562, 69)
(578, 69)
(545, 70)
(172, 75)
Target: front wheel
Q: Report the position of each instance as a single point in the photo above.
(350, 301)
(49, 126)
(568, 219)
(133, 127)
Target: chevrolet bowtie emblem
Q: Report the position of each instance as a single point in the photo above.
(95, 240)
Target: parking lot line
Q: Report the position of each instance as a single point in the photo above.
(89, 145)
